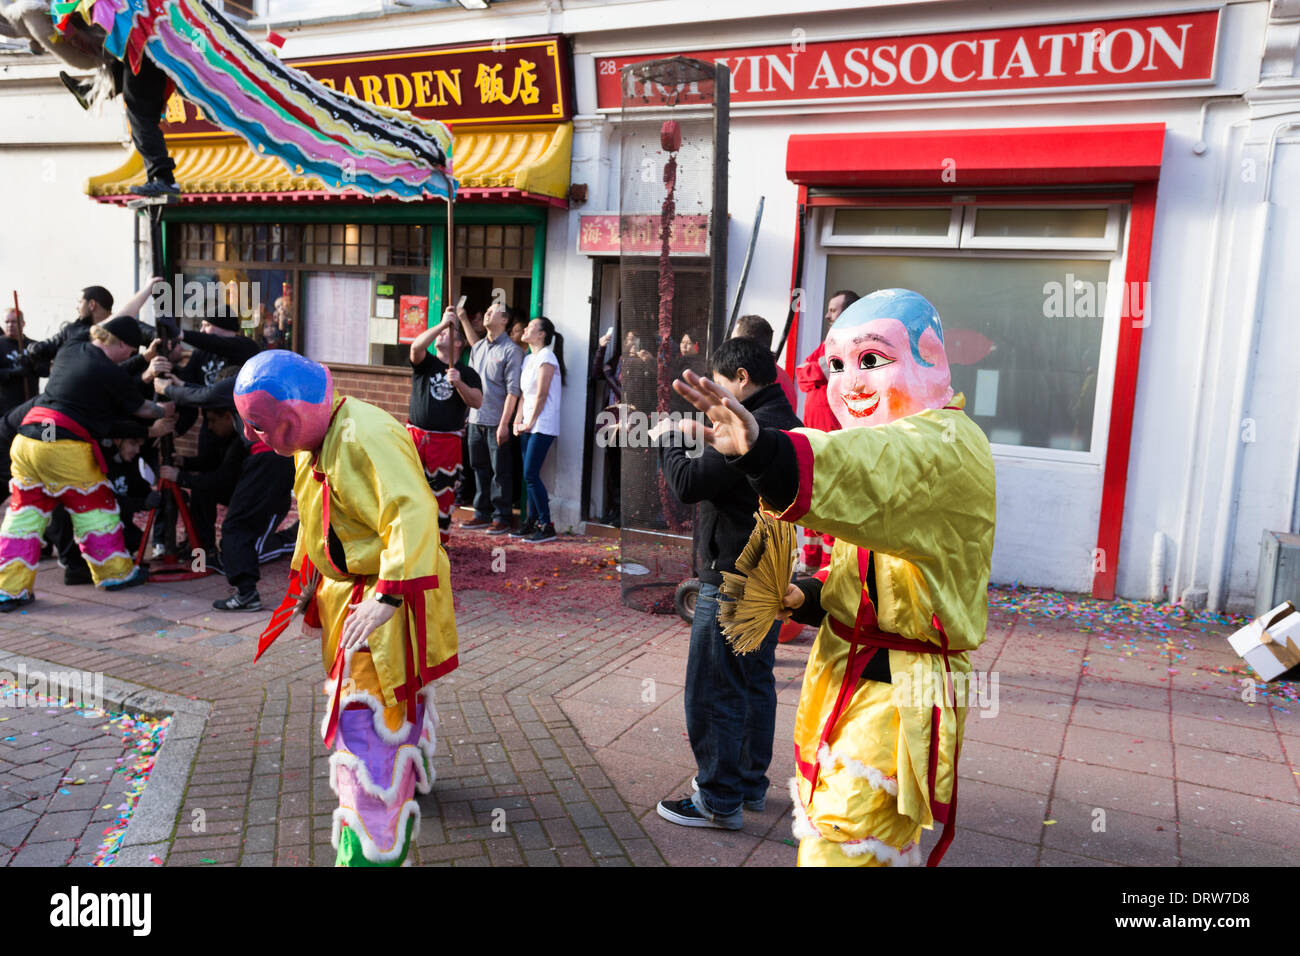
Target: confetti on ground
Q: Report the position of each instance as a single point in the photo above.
(1142, 627)
(144, 738)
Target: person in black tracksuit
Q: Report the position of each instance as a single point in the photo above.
(253, 482)
(730, 698)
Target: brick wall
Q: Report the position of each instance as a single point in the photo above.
(389, 388)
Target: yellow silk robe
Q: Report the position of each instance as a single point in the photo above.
(386, 519)
(919, 493)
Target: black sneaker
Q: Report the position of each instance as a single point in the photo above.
(78, 88)
(544, 532)
(8, 604)
(240, 602)
(138, 575)
(526, 530)
(156, 187)
(686, 814)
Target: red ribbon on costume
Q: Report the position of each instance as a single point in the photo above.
(294, 598)
(336, 671)
(40, 415)
(864, 634)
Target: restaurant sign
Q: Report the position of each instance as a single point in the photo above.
(506, 81)
(599, 235)
(1161, 50)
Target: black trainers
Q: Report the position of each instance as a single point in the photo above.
(544, 532)
(138, 575)
(529, 527)
(240, 602)
(78, 88)
(156, 187)
(686, 814)
(753, 806)
(8, 604)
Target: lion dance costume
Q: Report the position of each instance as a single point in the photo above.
(365, 512)
(910, 501)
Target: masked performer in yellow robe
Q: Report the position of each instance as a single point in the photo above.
(369, 571)
(910, 500)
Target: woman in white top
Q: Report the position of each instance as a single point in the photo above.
(537, 422)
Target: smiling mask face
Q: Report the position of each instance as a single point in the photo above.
(885, 359)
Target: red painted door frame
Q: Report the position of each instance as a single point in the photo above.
(1060, 156)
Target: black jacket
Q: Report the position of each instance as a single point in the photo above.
(727, 503)
(43, 353)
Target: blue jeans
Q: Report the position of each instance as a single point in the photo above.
(730, 710)
(535, 449)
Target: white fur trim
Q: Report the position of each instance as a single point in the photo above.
(405, 755)
(804, 829)
(410, 809)
(856, 768)
(24, 593)
(377, 711)
(29, 567)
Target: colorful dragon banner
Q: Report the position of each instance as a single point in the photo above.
(280, 111)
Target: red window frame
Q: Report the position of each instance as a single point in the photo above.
(1127, 156)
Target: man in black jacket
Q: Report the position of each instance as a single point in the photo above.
(254, 484)
(730, 698)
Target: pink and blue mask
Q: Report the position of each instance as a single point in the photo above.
(285, 401)
(885, 359)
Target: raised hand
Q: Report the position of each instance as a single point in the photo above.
(734, 429)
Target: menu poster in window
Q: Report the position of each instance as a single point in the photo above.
(412, 317)
(336, 313)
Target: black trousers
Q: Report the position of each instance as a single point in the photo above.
(62, 540)
(145, 96)
(255, 507)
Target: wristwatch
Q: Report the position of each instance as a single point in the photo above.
(391, 600)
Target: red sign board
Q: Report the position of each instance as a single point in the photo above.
(510, 81)
(599, 236)
(1136, 51)
(412, 317)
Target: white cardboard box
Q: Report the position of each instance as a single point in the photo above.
(1270, 644)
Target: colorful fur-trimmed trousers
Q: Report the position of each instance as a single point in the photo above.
(380, 761)
(440, 454)
(46, 473)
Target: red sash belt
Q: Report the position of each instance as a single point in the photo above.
(40, 415)
(865, 639)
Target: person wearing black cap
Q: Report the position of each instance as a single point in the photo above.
(217, 345)
(253, 482)
(93, 307)
(56, 458)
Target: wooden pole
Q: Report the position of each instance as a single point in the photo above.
(22, 345)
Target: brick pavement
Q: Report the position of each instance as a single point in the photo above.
(62, 781)
(563, 726)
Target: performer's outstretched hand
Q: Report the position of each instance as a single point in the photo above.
(734, 430)
(365, 618)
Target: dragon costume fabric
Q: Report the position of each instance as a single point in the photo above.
(278, 110)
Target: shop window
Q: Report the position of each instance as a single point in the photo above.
(349, 278)
(976, 227)
(1031, 299)
(495, 250)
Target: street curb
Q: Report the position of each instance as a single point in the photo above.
(149, 831)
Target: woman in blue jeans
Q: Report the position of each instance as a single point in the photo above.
(537, 422)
